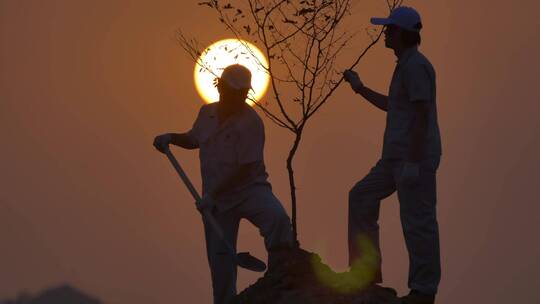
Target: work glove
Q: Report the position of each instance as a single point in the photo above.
(206, 202)
(353, 79)
(161, 142)
(410, 173)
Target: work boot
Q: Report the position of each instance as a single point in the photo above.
(278, 257)
(417, 297)
(388, 290)
(376, 293)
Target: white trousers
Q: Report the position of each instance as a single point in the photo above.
(263, 210)
(417, 209)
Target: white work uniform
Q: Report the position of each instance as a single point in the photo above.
(223, 149)
(413, 81)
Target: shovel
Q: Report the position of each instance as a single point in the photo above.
(242, 259)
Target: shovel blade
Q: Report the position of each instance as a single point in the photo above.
(247, 261)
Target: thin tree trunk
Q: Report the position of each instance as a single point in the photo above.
(292, 185)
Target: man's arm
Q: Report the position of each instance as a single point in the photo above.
(420, 88)
(418, 130)
(377, 99)
(189, 140)
(183, 140)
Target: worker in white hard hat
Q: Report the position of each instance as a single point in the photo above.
(230, 137)
(410, 158)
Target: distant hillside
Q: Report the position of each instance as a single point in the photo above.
(60, 295)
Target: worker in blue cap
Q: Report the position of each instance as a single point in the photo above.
(409, 162)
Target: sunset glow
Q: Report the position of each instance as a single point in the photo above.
(223, 53)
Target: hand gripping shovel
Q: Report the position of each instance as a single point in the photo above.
(242, 259)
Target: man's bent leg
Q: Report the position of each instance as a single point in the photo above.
(364, 203)
(222, 266)
(421, 230)
(265, 211)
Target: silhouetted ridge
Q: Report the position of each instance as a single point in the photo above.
(60, 295)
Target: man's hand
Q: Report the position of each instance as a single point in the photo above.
(410, 173)
(161, 142)
(353, 79)
(206, 202)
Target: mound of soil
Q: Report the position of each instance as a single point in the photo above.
(297, 276)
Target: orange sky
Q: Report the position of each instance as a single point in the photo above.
(85, 199)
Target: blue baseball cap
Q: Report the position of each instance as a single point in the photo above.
(404, 17)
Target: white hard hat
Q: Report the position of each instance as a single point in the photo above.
(237, 77)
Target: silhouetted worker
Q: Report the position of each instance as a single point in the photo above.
(410, 158)
(230, 136)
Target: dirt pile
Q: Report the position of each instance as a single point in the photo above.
(300, 277)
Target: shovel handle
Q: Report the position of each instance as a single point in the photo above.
(243, 259)
(206, 213)
(183, 175)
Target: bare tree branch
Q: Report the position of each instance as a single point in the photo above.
(302, 40)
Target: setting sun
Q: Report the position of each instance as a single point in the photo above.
(223, 53)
